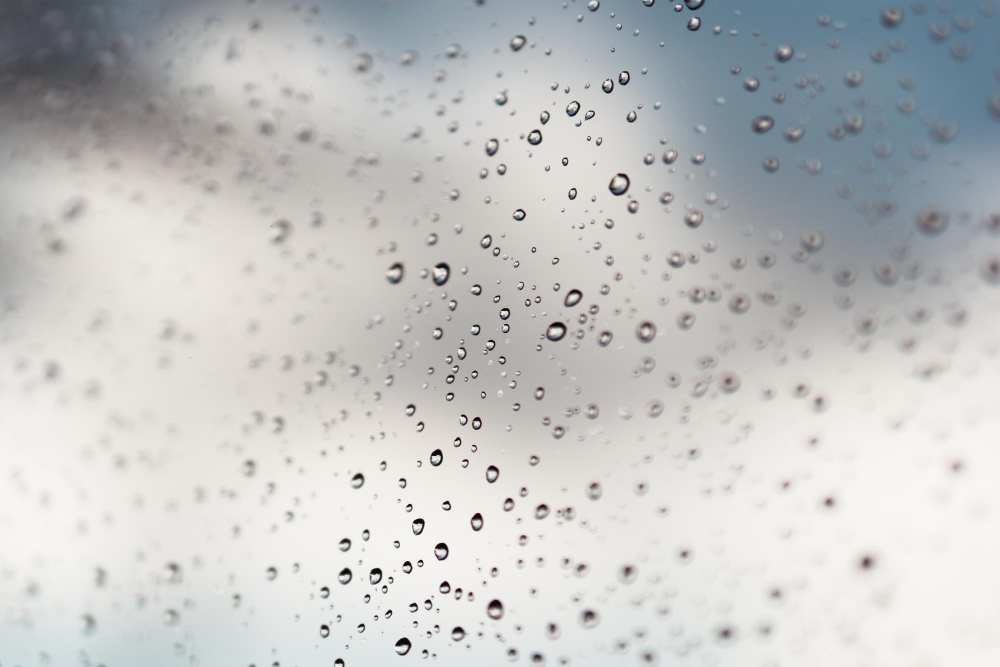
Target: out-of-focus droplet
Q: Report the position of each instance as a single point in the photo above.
(394, 274)
(762, 124)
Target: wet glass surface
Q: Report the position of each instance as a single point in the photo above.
(503, 332)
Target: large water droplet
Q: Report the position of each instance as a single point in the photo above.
(556, 331)
(440, 274)
(619, 184)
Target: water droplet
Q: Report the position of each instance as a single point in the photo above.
(729, 382)
(891, 17)
(394, 274)
(784, 53)
(646, 332)
(573, 297)
(556, 331)
(362, 62)
(762, 124)
(619, 184)
(932, 220)
(794, 132)
(440, 274)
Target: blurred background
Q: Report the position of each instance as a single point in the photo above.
(545, 333)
